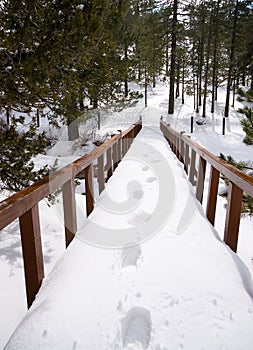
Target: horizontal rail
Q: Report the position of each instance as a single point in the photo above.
(239, 183)
(24, 204)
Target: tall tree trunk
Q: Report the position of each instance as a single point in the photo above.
(72, 124)
(207, 66)
(154, 81)
(173, 58)
(197, 96)
(95, 103)
(201, 60)
(167, 59)
(183, 77)
(231, 59)
(214, 73)
(234, 89)
(178, 81)
(146, 86)
(126, 69)
(8, 117)
(251, 73)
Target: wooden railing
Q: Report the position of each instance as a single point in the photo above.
(24, 204)
(195, 159)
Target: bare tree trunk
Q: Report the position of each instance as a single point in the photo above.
(183, 77)
(207, 66)
(214, 74)
(146, 87)
(201, 60)
(173, 58)
(178, 81)
(126, 70)
(231, 60)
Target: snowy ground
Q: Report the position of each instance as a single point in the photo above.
(162, 309)
(169, 282)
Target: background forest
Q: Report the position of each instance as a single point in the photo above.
(58, 59)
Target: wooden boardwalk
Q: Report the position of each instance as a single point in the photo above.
(166, 272)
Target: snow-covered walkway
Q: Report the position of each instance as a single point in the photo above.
(146, 271)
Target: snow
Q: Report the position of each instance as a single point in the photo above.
(174, 286)
(146, 270)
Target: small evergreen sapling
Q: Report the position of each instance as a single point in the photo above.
(247, 167)
(247, 124)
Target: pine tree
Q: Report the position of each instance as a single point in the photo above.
(247, 124)
(247, 167)
(17, 170)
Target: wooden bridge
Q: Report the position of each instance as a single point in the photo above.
(105, 159)
(24, 205)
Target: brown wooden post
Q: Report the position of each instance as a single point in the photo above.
(120, 148)
(132, 134)
(201, 179)
(115, 158)
(32, 252)
(186, 158)
(178, 146)
(233, 216)
(129, 139)
(192, 167)
(69, 209)
(101, 174)
(89, 189)
(212, 194)
(109, 163)
(181, 147)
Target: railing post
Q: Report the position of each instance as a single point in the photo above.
(115, 157)
(89, 189)
(32, 252)
(233, 216)
(101, 174)
(192, 167)
(119, 145)
(181, 147)
(201, 179)
(69, 208)
(186, 158)
(109, 163)
(212, 194)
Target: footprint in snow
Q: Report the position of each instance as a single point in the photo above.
(136, 329)
(130, 256)
(151, 179)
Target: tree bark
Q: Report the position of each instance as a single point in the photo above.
(214, 73)
(173, 58)
(231, 59)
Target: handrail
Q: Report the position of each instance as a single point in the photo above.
(24, 204)
(239, 182)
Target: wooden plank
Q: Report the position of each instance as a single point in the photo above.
(32, 252)
(109, 163)
(192, 167)
(201, 179)
(233, 216)
(89, 189)
(181, 147)
(119, 145)
(212, 194)
(115, 158)
(186, 158)
(101, 174)
(69, 209)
